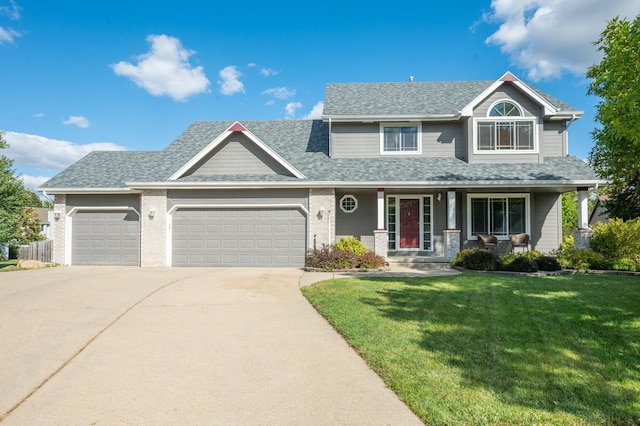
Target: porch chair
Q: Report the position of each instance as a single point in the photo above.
(486, 241)
(519, 240)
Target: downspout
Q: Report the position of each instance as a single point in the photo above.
(569, 123)
(47, 197)
(330, 140)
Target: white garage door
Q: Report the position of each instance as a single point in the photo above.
(105, 238)
(238, 237)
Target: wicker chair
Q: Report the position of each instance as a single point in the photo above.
(519, 240)
(486, 241)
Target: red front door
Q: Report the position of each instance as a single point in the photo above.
(409, 223)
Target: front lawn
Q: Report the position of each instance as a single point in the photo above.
(494, 349)
(5, 263)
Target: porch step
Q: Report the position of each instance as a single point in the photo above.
(419, 262)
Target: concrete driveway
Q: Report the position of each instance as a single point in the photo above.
(117, 345)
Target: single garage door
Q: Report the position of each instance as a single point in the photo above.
(105, 238)
(239, 237)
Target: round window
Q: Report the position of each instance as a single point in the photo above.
(348, 203)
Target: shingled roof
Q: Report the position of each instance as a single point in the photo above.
(411, 98)
(304, 144)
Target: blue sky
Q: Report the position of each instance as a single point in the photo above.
(85, 75)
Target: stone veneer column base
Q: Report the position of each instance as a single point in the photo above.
(582, 238)
(451, 243)
(381, 242)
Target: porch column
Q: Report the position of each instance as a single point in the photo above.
(381, 238)
(380, 208)
(452, 233)
(583, 208)
(451, 209)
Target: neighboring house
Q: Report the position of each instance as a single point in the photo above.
(408, 168)
(45, 218)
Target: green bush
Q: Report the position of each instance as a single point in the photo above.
(619, 243)
(459, 259)
(352, 245)
(480, 260)
(523, 264)
(548, 263)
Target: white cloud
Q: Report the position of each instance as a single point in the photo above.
(38, 115)
(291, 109)
(252, 65)
(165, 70)
(8, 35)
(33, 182)
(268, 72)
(316, 111)
(12, 11)
(552, 37)
(281, 93)
(38, 152)
(229, 82)
(77, 120)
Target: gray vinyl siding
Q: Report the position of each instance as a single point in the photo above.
(441, 140)
(355, 140)
(104, 201)
(238, 197)
(546, 221)
(363, 221)
(554, 139)
(363, 140)
(237, 156)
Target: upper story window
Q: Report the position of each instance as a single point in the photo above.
(400, 138)
(505, 129)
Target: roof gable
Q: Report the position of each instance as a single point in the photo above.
(508, 77)
(225, 144)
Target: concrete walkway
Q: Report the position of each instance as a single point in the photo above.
(223, 346)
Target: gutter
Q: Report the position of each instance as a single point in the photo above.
(389, 118)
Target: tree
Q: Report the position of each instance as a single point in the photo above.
(13, 197)
(28, 227)
(569, 213)
(616, 80)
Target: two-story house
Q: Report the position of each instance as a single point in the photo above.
(407, 168)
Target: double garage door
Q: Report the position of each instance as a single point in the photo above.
(105, 238)
(238, 237)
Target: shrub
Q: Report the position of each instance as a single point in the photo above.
(352, 245)
(459, 259)
(619, 243)
(329, 258)
(480, 260)
(370, 260)
(523, 264)
(548, 263)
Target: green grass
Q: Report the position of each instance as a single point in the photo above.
(5, 263)
(493, 349)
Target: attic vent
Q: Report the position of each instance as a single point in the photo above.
(410, 79)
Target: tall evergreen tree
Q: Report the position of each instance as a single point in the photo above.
(13, 197)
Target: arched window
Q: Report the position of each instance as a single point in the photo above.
(505, 129)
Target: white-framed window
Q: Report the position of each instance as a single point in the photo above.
(348, 203)
(505, 129)
(498, 214)
(400, 138)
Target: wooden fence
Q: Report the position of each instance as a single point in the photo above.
(40, 250)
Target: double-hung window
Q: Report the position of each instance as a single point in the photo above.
(498, 214)
(400, 139)
(505, 129)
